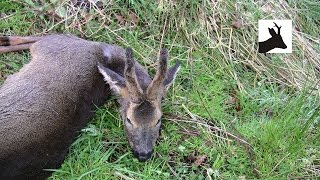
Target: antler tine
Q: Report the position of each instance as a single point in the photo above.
(156, 85)
(278, 27)
(130, 75)
(162, 69)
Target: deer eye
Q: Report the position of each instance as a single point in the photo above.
(128, 121)
(158, 122)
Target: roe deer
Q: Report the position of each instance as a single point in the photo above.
(46, 103)
(275, 41)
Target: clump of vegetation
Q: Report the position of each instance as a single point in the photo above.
(232, 112)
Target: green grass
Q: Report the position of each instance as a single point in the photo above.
(225, 93)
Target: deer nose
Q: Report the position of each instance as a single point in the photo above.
(143, 156)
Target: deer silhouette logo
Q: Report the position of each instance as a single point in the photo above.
(275, 41)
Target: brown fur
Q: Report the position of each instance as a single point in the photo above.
(45, 104)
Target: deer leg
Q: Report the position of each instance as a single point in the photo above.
(5, 49)
(16, 43)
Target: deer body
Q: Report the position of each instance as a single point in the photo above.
(45, 104)
(275, 41)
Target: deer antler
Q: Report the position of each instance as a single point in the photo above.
(156, 86)
(279, 27)
(130, 76)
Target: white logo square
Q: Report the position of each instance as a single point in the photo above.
(275, 36)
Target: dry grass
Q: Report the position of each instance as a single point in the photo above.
(218, 98)
(237, 44)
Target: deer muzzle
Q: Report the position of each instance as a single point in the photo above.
(143, 156)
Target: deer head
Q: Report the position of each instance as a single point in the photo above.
(140, 100)
(276, 37)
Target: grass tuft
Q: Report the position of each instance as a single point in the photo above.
(231, 114)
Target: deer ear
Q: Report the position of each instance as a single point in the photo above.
(272, 32)
(115, 81)
(171, 75)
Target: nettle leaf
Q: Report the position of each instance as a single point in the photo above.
(53, 1)
(61, 11)
(30, 3)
